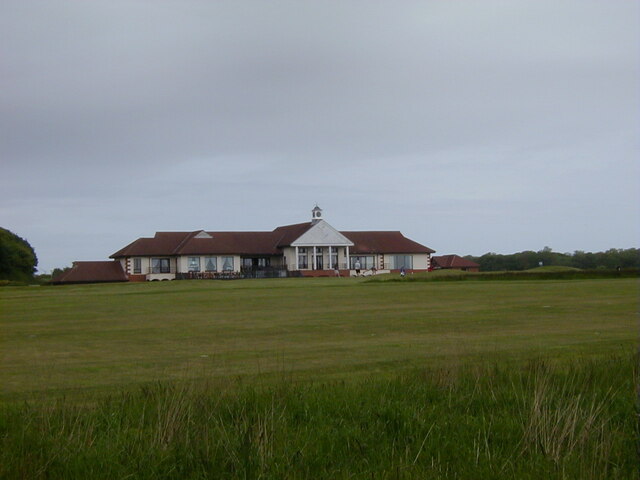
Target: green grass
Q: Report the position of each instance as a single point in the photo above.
(100, 337)
(553, 268)
(539, 273)
(531, 422)
(320, 378)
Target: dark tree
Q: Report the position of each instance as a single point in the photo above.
(18, 260)
(56, 272)
(612, 258)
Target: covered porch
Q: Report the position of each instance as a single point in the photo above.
(321, 248)
(321, 258)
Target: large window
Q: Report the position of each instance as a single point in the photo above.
(402, 261)
(255, 263)
(227, 264)
(194, 264)
(367, 262)
(160, 265)
(319, 259)
(334, 258)
(211, 264)
(137, 265)
(302, 258)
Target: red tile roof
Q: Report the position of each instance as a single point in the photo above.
(93, 272)
(384, 242)
(243, 243)
(260, 243)
(287, 234)
(162, 244)
(452, 261)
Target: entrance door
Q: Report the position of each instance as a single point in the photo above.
(319, 260)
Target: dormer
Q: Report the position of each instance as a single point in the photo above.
(316, 214)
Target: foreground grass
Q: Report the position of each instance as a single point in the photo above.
(536, 421)
(76, 339)
(320, 378)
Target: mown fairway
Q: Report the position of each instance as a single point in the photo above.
(465, 380)
(95, 338)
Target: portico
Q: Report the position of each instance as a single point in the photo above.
(321, 247)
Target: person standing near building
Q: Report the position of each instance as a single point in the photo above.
(357, 267)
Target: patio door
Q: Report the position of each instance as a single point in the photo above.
(160, 265)
(319, 259)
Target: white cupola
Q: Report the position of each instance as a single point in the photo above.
(316, 214)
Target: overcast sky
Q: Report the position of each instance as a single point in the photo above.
(470, 126)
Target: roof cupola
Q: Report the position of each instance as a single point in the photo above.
(316, 214)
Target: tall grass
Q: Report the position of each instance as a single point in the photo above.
(484, 421)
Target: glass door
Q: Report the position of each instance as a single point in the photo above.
(319, 259)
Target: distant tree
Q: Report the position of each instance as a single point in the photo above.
(59, 271)
(18, 260)
(629, 258)
(612, 258)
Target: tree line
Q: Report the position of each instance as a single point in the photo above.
(611, 259)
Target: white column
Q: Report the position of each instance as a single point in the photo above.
(313, 266)
(347, 259)
(297, 265)
(330, 265)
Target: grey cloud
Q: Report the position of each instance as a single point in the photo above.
(468, 113)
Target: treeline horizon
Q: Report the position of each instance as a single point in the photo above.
(613, 258)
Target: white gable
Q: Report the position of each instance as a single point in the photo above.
(203, 234)
(322, 235)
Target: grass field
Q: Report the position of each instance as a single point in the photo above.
(320, 378)
(104, 336)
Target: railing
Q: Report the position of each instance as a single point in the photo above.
(229, 275)
(158, 271)
(245, 272)
(325, 266)
(264, 272)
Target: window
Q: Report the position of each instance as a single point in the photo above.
(211, 264)
(160, 265)
(367, 262)
(137, 265)
(334, 258)
(302, 258)
(402, 261)
(227, 264)
(255, 263)
(194, 264)
(319, 259)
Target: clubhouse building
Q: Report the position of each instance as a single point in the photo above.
(312, 248)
